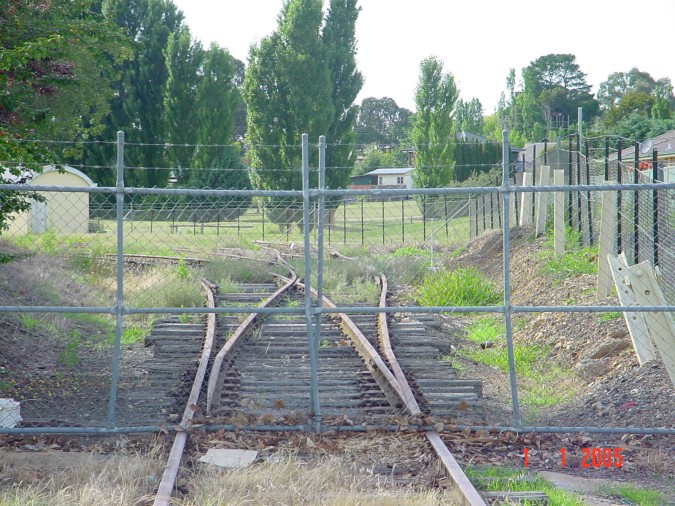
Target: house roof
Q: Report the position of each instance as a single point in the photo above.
(466, 136)
(664, 143)
(532, 149)
(389, 172)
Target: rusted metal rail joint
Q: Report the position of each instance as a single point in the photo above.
(460, 483)
(168, 481)
(372, 359)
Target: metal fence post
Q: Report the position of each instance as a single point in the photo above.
(319, 269)
(383, 229)
(445, 202)
(588, 194)
(344, 222)
(636, 206)
(607, 158)
(424, 217)
(402, 221)
(570, 197)
(119, 309)
(534, 179)
(314, 409)
(580, 221)
(619, 177)
(655, 194)
(506, 258)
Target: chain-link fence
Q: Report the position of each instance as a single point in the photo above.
(103, 315)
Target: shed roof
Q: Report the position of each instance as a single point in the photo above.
(69, 169)
(389, 172)
(29, 175)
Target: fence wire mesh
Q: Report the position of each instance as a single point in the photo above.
(89, 342)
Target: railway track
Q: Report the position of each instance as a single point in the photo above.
(369, 369)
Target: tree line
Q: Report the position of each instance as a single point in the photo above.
(77, 71)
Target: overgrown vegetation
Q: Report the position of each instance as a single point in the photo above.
(459, 287)
(348, 282)
(233, 271)
(576, 260)
(491, 478)
(637, 496)
(539, 376)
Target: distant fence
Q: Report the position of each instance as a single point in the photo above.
(357, 220)
(645, 221)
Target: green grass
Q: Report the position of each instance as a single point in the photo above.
(353, 224)
(607, 317)
(460, 287)
(234, 271)
(486, 328)
(637, 496)
(409, 251)
(69, 356)
(539, 377)
(495, 479)
(29, 321)
(575, 261)
(347, 282)
(134, 335)
(402, 270)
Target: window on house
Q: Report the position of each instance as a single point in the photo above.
(399, 180)
(379, 180)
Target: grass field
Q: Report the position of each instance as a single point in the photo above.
(356, 224)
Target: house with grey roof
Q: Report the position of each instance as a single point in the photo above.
(664, 145)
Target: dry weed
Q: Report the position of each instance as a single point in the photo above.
(287, 480)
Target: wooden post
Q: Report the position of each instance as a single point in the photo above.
(559, 214)
(525, 208)
(661, 326)
(542, 201)
(636, 322)
(607, 242)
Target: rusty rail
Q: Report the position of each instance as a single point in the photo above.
(168, 481)
(460, 482)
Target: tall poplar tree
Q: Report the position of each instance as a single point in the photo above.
(339, 40)
(432, 131)
(184, 59)
(301, 79)
(138, 106)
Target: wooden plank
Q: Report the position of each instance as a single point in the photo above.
(526, 207)
(637, 325)
(542, 201)
(559, 214)
(661, 327)
(607, 244)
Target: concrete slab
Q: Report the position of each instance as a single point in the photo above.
(229, 458)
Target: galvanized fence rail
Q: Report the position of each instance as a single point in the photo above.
(433, 223)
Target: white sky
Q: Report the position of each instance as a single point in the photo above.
(478, 40)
